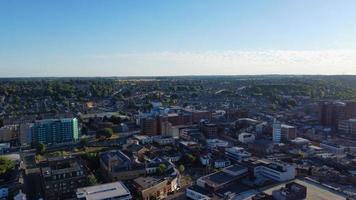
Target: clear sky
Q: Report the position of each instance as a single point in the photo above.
(176, 37)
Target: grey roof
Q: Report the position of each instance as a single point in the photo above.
(103, 191)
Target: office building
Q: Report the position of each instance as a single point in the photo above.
(278, 171)
(54, 131)
(149, 126)
(288, 132)
(277, 131)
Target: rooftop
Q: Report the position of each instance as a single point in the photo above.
(147, 182)
(103, 191)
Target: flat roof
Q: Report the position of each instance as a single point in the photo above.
(219, 178)
(314, 191)
(235, 168)
(103, 191)
(147, 182)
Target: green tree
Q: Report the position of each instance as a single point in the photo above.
(6, 165)
(84, 142)
(161, 168)
(106, 132)
(41, 148)
(92, 180)
(181, 168)
(190, 158)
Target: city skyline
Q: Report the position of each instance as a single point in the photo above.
(157, 38)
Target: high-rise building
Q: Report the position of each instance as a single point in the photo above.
(288, 132)
(149, 126)
(54, 131)
(277, 131)
(330, 113)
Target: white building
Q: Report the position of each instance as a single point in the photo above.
(246, 138)
(333, 148)
(237, 153)
(115, 190)
(277, 171)
(216, 143)
(277, 131)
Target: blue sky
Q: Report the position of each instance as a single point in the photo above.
(176, 37)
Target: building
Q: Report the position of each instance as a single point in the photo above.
(332, 147)
(163, 140)
(277, 171)
(216, 143)
(198, 115)
(262, 196)
(292, 191)
(330, 113)
(262, 146)
(277, 131)
(4, 193)
(25, 134)
(150, 187)
(288, 133)
(4, 148)
(246, 138)
(61, 176)
(223, 178)
(20, 196)
(9, 133)
(55, 131)
(114, 163)
(210, 130)
(114, 191)
(347, 126)
(149, 126)
(237, 153)
(190, 134)
(196, 192)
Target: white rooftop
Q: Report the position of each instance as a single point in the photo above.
(103, 191)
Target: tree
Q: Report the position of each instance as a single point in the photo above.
(6, 165)
(161, 168)
(92, 180)
(106, 132)
(84, 142)
(181, 168)
(41, 148)
(154, 198)
(190, 158)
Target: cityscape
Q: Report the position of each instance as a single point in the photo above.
(178, 100)
(231, 137)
